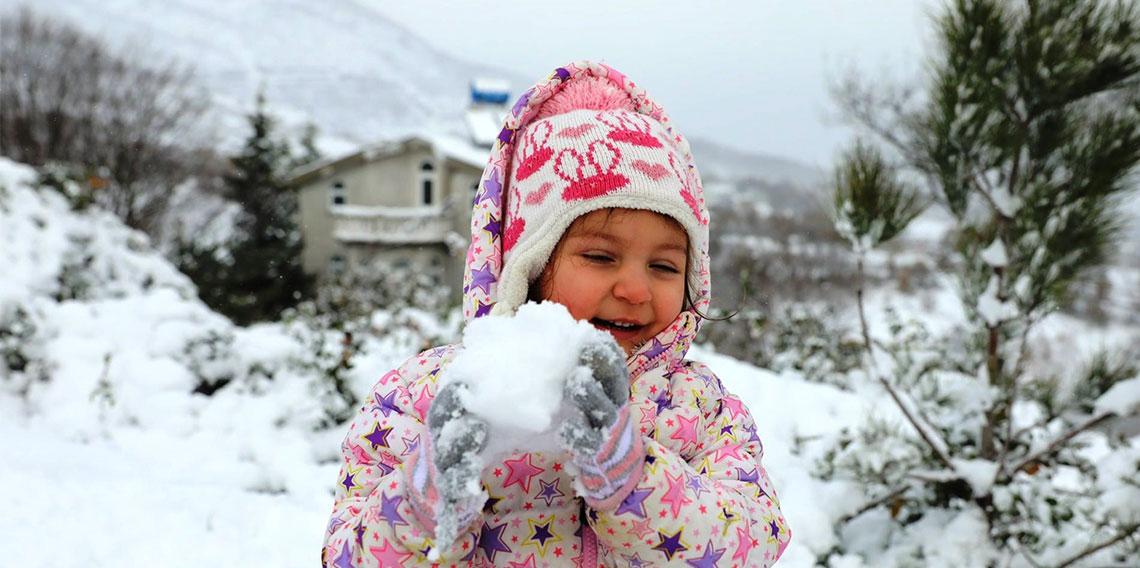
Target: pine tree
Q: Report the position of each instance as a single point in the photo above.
(258, 274)
(1028, 135)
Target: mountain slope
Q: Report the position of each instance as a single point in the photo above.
(342, 65)
(359, 76)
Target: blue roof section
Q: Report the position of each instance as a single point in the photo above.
(490, 91)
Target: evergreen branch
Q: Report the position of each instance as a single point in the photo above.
(892, 495)
(1059, 441)
(1127, 532)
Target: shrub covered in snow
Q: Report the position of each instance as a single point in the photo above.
(1019, 460)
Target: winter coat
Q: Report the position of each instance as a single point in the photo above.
(703, 499)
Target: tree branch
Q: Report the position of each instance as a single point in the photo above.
(1057, 443)
(1127, 532)
(898, 492)
(872, 367)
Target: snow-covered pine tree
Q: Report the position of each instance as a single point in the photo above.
(258, 274)
(1028, 133)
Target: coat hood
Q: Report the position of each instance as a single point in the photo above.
(484, 264)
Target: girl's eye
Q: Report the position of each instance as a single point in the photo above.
(595, 257)
(665, 268)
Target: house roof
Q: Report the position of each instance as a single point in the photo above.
(455, 149)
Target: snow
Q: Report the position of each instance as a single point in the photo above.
(1123, 399)
(112, 439)
(530, 380)
(993, 310)
(994, 255)
(980, 474)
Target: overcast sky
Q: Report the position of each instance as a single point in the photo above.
(753, 74)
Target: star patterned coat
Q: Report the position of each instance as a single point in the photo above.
(703, 498)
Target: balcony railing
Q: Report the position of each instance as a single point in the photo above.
(389, 225)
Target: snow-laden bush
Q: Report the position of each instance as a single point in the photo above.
(1028, 137)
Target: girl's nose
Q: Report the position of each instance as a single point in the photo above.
(633, 286)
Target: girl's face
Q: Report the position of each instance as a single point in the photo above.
(623, 270)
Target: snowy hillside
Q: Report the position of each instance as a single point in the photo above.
(341, 65)
(344, 66)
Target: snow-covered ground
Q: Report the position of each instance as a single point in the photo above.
(108, 457)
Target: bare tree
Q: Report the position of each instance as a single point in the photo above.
(133, 126)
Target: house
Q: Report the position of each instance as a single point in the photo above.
(400, 204)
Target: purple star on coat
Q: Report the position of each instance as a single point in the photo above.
(494, 228)
(491, 541)
(378, 437)
(493, 188)
(634, 503)
(775, 529)
(562, 74)
(542, 533)
(387, 404)
(349, 481)
(550, 491)
(344, 559)
(359, 530)
(505, 136)
(482, 309)
(751, 476)
(670, 544)
(710, 558)
(389, 510)
(694, 482)
(522, 102)
(482, 277)
(635, 561)
(657, 349)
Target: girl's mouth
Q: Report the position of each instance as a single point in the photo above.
(619, 326)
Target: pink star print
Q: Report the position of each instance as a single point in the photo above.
(528, 563)
(521, 473)
(686, 432)
(675, 495)
(734, 406)
(732, 451)
(423, 401)
(389, 556)
(743, 544)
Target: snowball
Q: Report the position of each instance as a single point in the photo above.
(514, 368)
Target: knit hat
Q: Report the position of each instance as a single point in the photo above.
(489, 285)
(589, 149)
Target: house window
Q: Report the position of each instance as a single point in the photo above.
(427, 183)
(336, 264)
(337, 194)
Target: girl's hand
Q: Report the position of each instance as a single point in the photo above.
(607, 451)
(599, 388)
(457, 438)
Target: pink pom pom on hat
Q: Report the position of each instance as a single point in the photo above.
(589, 148)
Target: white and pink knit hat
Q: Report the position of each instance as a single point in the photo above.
(589, 149)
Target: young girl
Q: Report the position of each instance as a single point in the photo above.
(590, 200)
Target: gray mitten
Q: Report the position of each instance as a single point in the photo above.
(599, 387)
(456, 440)
(606, 449)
